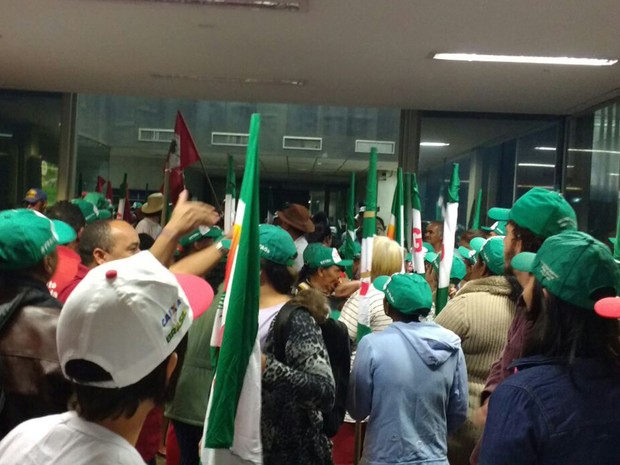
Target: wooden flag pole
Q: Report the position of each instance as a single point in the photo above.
(164, 212)
(217, 202)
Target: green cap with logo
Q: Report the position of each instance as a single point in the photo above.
(26, 237)
(408, 293)
(572, 266)
(491, 252)
(468, 255)
(499, 228)
(90, 212)
(457, 270)
(202, 232)
(64, 233)
(97, 199)
(276, 245)
(317, 255)
(544, 212)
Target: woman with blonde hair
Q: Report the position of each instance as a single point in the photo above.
(387, 259)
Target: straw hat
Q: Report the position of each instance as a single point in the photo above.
(154, 204)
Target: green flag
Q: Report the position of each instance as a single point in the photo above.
(369, 229)
(417, 249)
(231, 196)
(396, 225)
(617, 241)
(349, 238)
(232, 423)
(475, 222)
(449, 231)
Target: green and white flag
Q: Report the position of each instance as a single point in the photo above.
(417, 249)
(617, 241)
(369, 229)
(475, 218)
(449, 231)
(349, 238)
(231, 196)
(232, 423)
(396, 225)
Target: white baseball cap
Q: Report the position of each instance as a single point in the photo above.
(127, 316)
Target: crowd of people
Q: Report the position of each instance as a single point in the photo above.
(105, 334)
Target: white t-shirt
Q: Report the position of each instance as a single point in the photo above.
(65, 439)
(300, 244)
(265, 317)
(149, 226)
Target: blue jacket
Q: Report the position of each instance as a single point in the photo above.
(412, 381)
(551, 414)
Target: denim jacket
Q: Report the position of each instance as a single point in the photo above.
(554, 414)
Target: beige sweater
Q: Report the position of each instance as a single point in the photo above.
(480, 315)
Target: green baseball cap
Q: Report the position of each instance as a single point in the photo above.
(457, 271)
(26, 237)
(407, 293)
(317, 255)
(544, 212)
(97, 199)
(468, 255)
(90, 212)
(202, 232)
(430, 257)
(499, 228)
(491, 252)
(276, 245)
(428, 247)
(65, 233)
(357, 250)
(572, 266)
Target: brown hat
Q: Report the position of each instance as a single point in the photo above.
(296, 216)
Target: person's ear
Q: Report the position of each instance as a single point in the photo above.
(100, 256)
(172, 364)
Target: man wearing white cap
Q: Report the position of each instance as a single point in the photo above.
(117, 382)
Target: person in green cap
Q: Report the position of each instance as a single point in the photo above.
(410, 380)
(561, 407)
(28, 320)
(322, 268)
(480, 315)
(535, 216)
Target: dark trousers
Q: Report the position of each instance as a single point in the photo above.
(188, 437)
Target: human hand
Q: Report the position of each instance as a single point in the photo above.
(188, 215)
(479, 417)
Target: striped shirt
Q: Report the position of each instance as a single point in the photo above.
(378, 319)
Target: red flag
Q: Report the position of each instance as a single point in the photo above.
(186, 152)
(100, 183)
(108, 194)
(183, 152)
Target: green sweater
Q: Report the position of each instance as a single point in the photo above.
(194, 387)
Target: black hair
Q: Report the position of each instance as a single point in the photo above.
(562, 329)
(146, 241)
(96, 403)
(281, 277)
(409, 317)
(305, 273)
(67, 212)
(321, 232)
(530, 242)
(95, 235)
(469, 234)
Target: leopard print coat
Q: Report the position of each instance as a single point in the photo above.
(293, 394)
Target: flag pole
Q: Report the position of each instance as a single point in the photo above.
(204, 169)
(164, 211)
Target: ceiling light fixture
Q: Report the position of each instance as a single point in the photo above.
(434, 144)
(6, 135)
(613, 152)
(536, 165)
(278, 5)
(231, 80)
(524, 59)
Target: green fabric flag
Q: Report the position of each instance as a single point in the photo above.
(417, 237)
(449, 232)
(80, 186)
(231, 196)
(349, 238)
(617, 242)
(232, 426)
(475, 223)
(408, 226)
(369, 230)
(396, 225)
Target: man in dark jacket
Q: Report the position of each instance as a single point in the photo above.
(32, 381)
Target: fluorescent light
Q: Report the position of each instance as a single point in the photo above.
(536, 165)
(6, 135)
(613, 152)
(434, 144)
(524, 59)
(614, 174)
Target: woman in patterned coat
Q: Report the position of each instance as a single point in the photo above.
(296, 390)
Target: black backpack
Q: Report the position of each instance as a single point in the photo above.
(336, 339)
